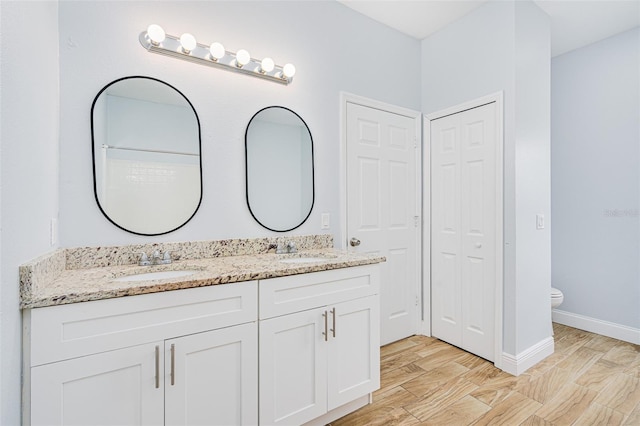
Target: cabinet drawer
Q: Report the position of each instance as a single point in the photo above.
(69, 331)
(284, 295)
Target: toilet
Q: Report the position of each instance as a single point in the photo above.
(556, 297)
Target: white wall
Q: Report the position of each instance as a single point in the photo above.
(333, 47)
(29, 112)
(505, 46)
(142, 124)
(532, 175)
(595, 149)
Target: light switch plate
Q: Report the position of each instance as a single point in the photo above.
(539, 221)
(325, 221)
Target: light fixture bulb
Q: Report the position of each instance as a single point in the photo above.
(156, 34)
(242, 58)
(188, 42)
(216, 50)
(267, 65)
(288, 71)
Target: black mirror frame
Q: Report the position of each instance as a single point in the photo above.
(246, 168)
(93, 155)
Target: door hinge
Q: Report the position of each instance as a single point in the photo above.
(416, 221)
(417, 300)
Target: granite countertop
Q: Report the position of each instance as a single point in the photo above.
(96, 283)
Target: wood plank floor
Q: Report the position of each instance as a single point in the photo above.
(589, 380)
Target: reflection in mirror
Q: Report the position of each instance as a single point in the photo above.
(146, 155)
(279, 156)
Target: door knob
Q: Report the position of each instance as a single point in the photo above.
(354, 242)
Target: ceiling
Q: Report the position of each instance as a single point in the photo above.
(574, 23)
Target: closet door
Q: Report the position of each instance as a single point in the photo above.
(446, 306)
(463, 229)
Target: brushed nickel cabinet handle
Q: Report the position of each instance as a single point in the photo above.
(325, 333)
(173, 364)
(157, 367)
(333, 330)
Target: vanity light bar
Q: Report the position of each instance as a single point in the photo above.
(155, 40)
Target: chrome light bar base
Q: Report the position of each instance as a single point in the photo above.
(171, 46)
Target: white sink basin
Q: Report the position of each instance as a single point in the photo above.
(304, 260)
(161, 275)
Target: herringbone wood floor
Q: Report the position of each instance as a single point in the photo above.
(589, 380)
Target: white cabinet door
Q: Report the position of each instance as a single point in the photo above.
(212, 378)
(354, 350)
(293, 368)
(111, 388)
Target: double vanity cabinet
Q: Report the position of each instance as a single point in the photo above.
(286, 350)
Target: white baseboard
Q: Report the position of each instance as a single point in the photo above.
(526, 359)
(605, 328)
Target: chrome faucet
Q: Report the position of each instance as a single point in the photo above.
(290, 247)
(156, 258)
(144, 260)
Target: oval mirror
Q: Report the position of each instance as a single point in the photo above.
(279, 156)
(146, 155)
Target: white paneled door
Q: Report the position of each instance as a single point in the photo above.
(382, 202)
(463, 229)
